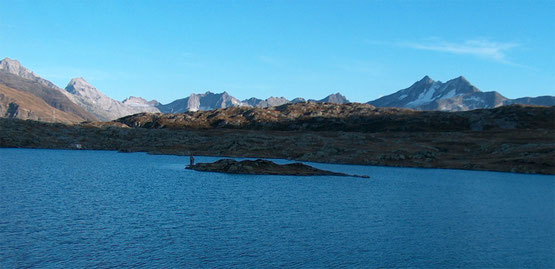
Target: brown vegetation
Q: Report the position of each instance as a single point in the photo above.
(353, 117)
(23, 105)
(515, 139)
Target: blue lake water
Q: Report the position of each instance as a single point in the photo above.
(103, 209)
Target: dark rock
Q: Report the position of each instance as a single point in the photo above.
(263, 167)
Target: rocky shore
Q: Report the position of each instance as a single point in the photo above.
(263, 167)
(511, 139)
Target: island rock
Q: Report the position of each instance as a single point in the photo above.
(263, 167)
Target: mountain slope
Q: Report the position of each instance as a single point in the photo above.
(26, 106)
(102, 106)
(15, 76)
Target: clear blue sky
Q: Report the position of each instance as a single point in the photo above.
(166, 50)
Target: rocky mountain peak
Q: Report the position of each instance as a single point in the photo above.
(336, 98)
(133, 98)
(426, 79)
(8, 63)
(454, 95)
(460, 80)
(15, 67)
(80, 86)
(139, 102)
(104, 107)
(79, 82)
(463, 79)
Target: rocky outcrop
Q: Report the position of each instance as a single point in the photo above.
(263, 167)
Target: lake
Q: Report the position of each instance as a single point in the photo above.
(61, 208)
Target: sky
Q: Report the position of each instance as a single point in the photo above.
(166, 50)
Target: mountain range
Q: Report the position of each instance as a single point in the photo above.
(16, 77)
(454, 95)
(25, 95)
(103, 107)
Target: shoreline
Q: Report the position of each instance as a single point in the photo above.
(530, 151)
(290, 160)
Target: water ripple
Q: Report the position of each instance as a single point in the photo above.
(105, 209)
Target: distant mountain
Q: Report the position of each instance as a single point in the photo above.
(540, 100)
(102, 106)
(205, 101)
(140, 102)
(15, 76)
(14, 67)
(79, 97)
(454, 95)
(86, 102)
(298, 100)
(335, 98)
(210, 101)
(254, 102)
(26, 106)
(272, 101)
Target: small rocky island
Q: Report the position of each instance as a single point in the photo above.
(263, 167)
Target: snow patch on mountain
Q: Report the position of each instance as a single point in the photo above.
(205, 101)
(454, 95)
(426, 96)
(450, 94)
